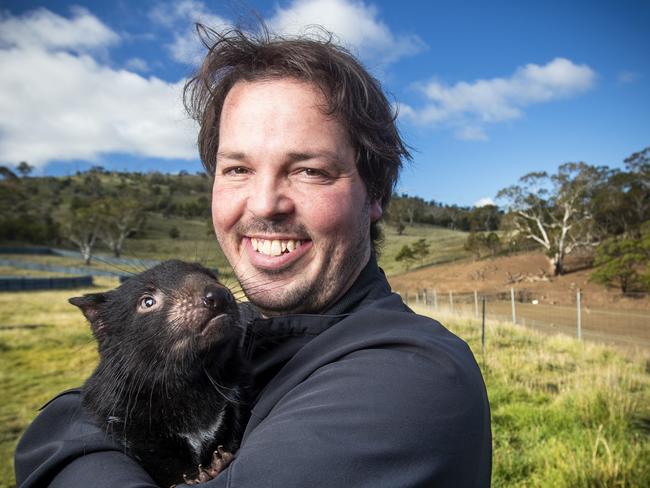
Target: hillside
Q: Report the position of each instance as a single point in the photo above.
(526, 271)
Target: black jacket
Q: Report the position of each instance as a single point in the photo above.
(368, 394)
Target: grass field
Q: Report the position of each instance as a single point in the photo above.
(445, 245)
(565, 414)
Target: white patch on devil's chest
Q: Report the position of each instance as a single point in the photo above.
(198, 439)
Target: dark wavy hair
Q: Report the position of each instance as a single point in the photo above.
(353, 96)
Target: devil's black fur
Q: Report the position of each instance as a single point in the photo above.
(170, 367)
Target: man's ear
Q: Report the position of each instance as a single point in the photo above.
(89, 305)
(375, 210)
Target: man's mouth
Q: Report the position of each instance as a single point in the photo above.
(275, 247)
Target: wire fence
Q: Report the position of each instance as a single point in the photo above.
(554, 313)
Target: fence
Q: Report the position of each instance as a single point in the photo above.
(53, 268)
(572, 315)
(26, 283)
(102, 258)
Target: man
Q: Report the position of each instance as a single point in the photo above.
(351, 388)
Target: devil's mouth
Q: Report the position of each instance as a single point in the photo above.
(275, 247)
(213, 323)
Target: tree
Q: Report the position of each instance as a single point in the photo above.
(174, 233)
(421, 249)
(474, 244)
(484, 218)
(478, 242)
(7, 174)
(621, 262)
(119, 217)
(493, 243)
(405, 208)
(81, 225)
(554, 210)
(638, 165)
(406, 254)
(621, 203)
(24, 168)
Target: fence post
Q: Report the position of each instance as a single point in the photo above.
(451, 301)
(476, 303)
(417, 296)
(435, 299)
(579, 321)
(512, 300)
(483, 329)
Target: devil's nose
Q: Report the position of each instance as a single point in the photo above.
(216, 297)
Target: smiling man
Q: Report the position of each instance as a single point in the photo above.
(290, 209)
(350, 387)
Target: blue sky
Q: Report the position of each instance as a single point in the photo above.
(487, 91)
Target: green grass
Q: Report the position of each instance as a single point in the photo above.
(45, 347)
(564, 413)
(446, 245)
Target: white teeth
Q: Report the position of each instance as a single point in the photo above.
(274, 247)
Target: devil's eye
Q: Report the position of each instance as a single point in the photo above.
(147, 302)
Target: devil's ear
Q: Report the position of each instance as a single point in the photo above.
(89, 305)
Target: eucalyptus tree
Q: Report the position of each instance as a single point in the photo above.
(554, 210)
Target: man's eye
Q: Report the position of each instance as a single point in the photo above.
(313, 173)
(236, 171)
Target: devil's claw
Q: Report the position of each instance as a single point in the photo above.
(220, 460)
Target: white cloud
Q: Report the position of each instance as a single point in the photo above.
(137, 64)
(469, 107)
(471, 133)
(182, 16)
(355, 23)
(42, 29)
(483, 202)
(60, 105)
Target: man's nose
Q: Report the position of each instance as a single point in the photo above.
(270, 197)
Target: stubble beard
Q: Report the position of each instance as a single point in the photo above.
(285, 292)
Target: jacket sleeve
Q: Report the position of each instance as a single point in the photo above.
(376, 417)
(63, 448)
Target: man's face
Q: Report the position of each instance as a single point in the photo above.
(289, 209)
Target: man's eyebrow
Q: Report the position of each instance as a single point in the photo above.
(233, 155)
(330, 156)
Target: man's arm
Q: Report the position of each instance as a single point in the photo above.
(63, 448)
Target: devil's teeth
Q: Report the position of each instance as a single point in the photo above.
(274, 247)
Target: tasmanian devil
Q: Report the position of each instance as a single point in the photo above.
(170, 383)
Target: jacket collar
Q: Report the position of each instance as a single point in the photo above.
(271, 342)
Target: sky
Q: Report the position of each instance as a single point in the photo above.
(486, 91)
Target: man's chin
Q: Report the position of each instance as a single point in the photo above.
(280, 301)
